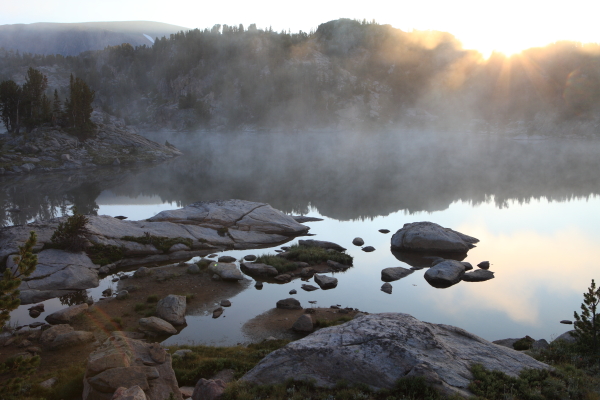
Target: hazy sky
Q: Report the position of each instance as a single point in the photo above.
(508, 25)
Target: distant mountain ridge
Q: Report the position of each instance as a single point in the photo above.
(70, 39)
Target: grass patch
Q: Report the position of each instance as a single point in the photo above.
(151, 312)
(105, 254)
(162, 243)
(139, 307)
(323, 323)
(68, 386)
(152, 299)
(310, 255)
(206, 361)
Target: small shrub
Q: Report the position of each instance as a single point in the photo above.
(117, 320)
(105, 254)
(140, 307)
(152, 299)
(150, 313)
(523, 343)
(70, 234)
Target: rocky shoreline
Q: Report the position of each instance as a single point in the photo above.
(49, 149)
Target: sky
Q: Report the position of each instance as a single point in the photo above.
(508, 26)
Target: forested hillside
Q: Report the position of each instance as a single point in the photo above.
(346, 74)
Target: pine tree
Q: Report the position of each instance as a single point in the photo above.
(25, 263)
(33, 90)
(10, 103)
(79, 107)
(587, 325)
(56, 109)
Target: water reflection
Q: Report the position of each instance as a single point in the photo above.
(344, 177)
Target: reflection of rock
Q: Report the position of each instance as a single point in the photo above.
(309, 288)
(387, 288)
(425, 260)
(394, 273)
(379, 349)
(479, 275)
(325, 282)
(445, 274)
(430, 237)
(484, 265)
(368, 249)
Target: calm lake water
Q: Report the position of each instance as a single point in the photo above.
(533, 202)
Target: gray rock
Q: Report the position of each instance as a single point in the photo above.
(122, 295)
(427, 236)
(208, 389)
(293, 291)
(141, 272)
(484, 265)
(226, 259)
(378, 349)
(309, 288)
(358, 241)
(467, 265)
(193, 269)
(394, 273)
(540, 344)
(384, 230)
(156, 325)
(303, 324)
(250, 257)
(50, 334)
(508, 343)
(217, 313)
(133, 393)
(479, 275)
(28, 167)
(322, 244)
(65, 315)
(66, 157)
(258, 285)
(325, 282)
(71, 339)
(257, 269)
(225, 303)
(227, 272)
(283, 278)
(302, 218)
(182, 353)
(438, 260)
(387, 288)
(566, 322)
(567, 337)
(178, 247)
(289, 304)
(445, 274)
(368, 249)
(172, 309)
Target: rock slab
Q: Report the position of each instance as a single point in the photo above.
(379, 349)
(431, 237)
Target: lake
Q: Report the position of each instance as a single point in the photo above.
(533, 202)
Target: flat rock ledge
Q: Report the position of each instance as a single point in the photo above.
(379, 349)
(205, 227)
(429, 237)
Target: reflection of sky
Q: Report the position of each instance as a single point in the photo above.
(543, 254)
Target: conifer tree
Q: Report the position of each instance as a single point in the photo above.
(34, 97)
(25, 263)
(587, 325)
(56, 109)
(79, 107)
(10, 102)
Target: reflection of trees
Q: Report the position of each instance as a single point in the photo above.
(343, 176)
(73, 298)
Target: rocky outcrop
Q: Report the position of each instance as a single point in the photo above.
(430, 237)
(172, 309)
(445, 274)
(125, 362)
(48, 149)
(203, 227)
(378, 349)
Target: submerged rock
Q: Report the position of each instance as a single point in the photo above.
(430, 237)
(378, 349)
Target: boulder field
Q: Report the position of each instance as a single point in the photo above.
(200, 229)
(379, 349)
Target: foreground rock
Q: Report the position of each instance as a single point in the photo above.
(378, 349)
(124, 362)
(200, 228)
(172, 309)
(208, 389)
(445, 274)
(430, 237)
(394, 273)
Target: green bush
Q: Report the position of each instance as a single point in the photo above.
(311, 255)
(70, 234)
(105, 254)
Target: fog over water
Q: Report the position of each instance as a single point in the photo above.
(533, 202)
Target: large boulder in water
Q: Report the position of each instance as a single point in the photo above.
(378, 349)
(430, 237)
